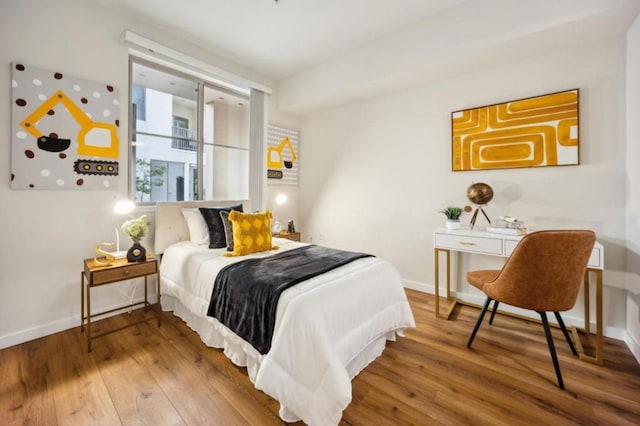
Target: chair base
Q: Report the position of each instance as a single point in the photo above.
(493, 312)
(566, 333)
(552, 348)
(547, 332)
(479, 321)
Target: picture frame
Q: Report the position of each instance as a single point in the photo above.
(64, 131)
(538, 131)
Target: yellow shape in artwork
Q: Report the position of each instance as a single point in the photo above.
(471, 121)
(94, 138)
(525, 150)
(565, 130)
(517, 151)
(542, 102)
(501, 117)
(541, 138)
(275, 158)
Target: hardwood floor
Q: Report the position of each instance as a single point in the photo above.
(150, 375)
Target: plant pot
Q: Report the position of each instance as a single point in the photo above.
(453, 224)
(136, 253)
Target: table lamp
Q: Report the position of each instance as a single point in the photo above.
(276, 226)
(122, 207)
(105, 257)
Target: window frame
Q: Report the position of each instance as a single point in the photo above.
(202, 85)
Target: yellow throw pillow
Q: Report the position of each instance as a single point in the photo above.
(251, 232)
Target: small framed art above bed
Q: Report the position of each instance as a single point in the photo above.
(302, 332)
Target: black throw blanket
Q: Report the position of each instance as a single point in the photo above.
(246, 294)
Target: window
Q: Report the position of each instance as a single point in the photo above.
(138, 101)
(185, 138)
(185, 146)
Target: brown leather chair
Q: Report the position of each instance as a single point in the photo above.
(544, 273)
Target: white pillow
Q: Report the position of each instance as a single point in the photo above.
(198, 229)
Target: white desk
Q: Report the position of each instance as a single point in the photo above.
(481, 242)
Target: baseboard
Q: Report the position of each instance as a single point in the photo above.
(57, 326)
(633, 345)
(415, 285)
(612, 332)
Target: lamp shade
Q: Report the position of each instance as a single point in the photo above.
(281, 199)
(124, 207)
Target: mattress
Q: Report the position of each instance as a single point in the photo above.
(327, 328)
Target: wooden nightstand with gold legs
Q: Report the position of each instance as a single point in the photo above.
(95, 275)
(293, 236)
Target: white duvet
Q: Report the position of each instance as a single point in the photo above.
(327, 328)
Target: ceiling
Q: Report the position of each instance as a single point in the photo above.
(326, 52)
(281, 38)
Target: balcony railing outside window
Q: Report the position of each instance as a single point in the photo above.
(186, 139)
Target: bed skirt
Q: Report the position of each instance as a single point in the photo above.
(216, 335)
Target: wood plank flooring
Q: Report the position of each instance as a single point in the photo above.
(145, 375)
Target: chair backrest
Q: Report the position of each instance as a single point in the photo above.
(545, 271)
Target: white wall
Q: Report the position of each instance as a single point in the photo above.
(375, 173)
(451, 43)
(632, 336)
(231, 124)
(47, 234)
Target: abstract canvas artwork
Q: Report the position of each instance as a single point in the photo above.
(532, 132)
(282, 156)
(64, 131)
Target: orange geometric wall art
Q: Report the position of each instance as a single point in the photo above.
(532, 132)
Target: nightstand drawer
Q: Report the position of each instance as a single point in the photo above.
(131, 270)
(471, 244)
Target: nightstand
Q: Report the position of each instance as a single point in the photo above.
(293, 236)
(95, 275)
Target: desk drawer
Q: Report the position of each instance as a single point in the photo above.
(509, 246)
(131, 270)
(470, 244)
(595, 260)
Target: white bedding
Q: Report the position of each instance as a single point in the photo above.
(327, 328)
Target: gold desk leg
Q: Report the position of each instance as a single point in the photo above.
(437, 280)
(599, 358)
(88, 318)
(452, 301)
(158, 293)
(587, 304)
(146, 299)
(82, 302)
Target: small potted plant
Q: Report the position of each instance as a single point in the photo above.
(136, 228)
(453, 216)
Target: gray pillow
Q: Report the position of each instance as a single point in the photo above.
(214, 223)
(228, 229)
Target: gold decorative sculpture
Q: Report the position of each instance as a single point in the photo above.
(105, 258)
(479, 194)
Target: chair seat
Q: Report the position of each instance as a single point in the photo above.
(479, 278)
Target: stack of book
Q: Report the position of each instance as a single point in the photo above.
(507, 225)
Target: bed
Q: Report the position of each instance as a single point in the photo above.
(327, 328)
